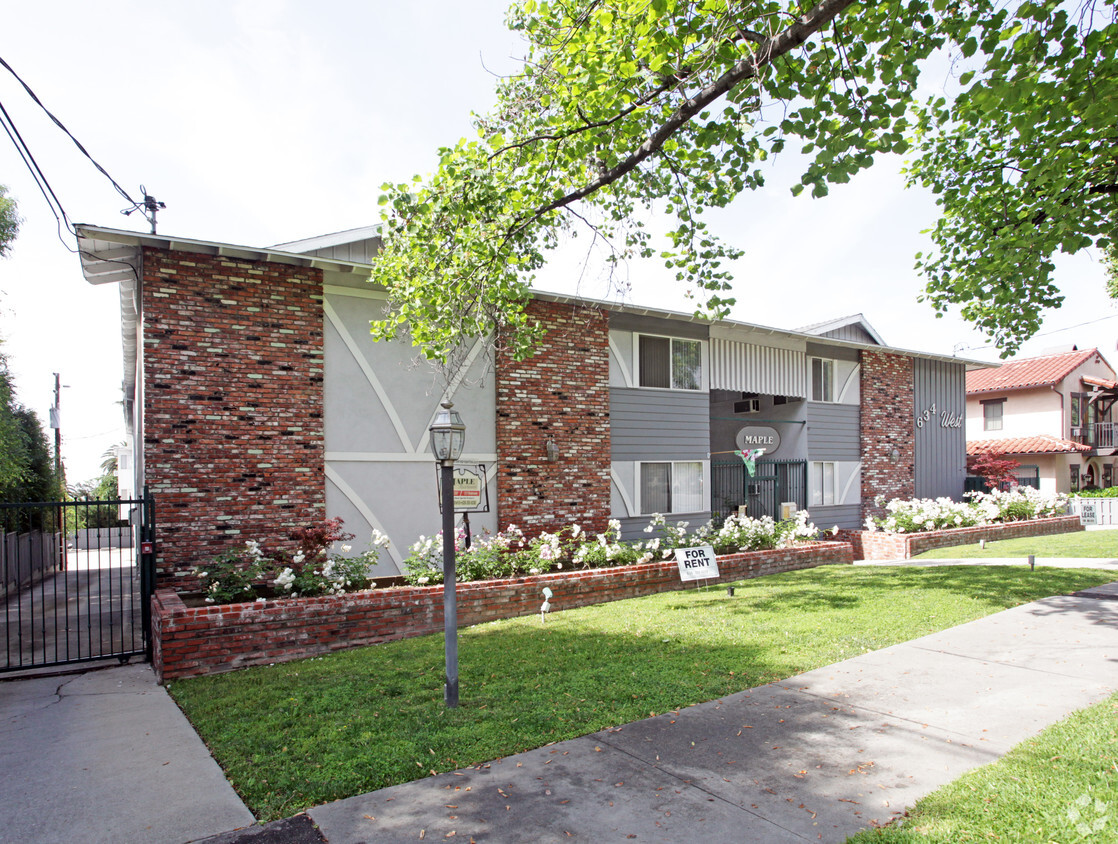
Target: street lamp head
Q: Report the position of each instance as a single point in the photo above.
(448, 434)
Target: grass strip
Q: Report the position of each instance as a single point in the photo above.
(1061, 785)
(1086, 543)
(299, 734)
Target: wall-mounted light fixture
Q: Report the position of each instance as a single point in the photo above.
(894, 456)
(552, 451)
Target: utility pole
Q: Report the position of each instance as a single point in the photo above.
(56, 423)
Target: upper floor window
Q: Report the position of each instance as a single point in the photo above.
(822, 379)
(992, 414)
(670, 362)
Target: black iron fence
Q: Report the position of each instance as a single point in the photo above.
(77, 579)
(771, 483)
(1027, 476)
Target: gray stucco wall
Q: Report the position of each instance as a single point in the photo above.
(379, 400)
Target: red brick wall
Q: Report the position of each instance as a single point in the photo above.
(560, 393)
(190, 642)
(886, 424)
(233, 434)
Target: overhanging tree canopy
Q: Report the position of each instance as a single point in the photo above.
(624, 106)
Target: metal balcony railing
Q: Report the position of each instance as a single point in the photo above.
(1099, 435)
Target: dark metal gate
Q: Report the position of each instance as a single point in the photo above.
(762, 492)
(78, 578)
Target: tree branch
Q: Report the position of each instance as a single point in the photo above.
(773, 48)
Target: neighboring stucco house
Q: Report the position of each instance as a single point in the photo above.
(1053, 414)
(258, 402)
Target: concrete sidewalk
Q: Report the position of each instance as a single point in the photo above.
(813, 758)
(107, 756)
(1049, 562)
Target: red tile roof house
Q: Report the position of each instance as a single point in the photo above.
(1053, 414)
(258, 402)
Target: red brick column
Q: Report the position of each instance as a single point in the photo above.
(233, 437)
(560, 393)
(887, 424)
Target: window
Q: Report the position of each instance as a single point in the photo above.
(1074, 477)
(675, 487)
(992, 415)
(822, 379)
(824, 483)
(670, 362)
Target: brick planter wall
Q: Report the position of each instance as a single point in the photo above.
(887, 422)
(877, 545)
(206, 640)
(233, 432)
(560, 393)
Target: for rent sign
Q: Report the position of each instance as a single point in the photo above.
(696, 563)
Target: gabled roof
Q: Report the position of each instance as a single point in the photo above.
(1039, 444)
(854, 320)
(1030, 372)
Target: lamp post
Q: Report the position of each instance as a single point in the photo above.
(448, 436)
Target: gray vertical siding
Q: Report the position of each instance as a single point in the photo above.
(659, 424)
(940, 445)
(851, 332)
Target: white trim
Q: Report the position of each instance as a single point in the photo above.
(846, 385)
(626, 375)
(356, 500)
(371, 376)
(398, 457)
(855, 475)
(630, 510)
(338, 290)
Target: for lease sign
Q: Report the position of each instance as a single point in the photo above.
(696, 563)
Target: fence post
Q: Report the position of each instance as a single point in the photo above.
(147, 566)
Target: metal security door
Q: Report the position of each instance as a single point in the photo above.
(78, 578)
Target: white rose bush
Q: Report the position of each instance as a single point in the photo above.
(510, 554)
(983, 508)
(316, 568)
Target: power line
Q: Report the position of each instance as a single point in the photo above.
(37, 174)
(149, 206)
(962, 348)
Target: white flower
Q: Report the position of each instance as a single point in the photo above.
(422, 580)
(346, 549)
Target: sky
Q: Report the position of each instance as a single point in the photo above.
(259, 122)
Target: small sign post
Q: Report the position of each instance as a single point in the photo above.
(1088, 513)
(696, 563)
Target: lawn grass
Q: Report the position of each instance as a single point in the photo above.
(1061, 785)
(1084, 543)
(299, 734)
